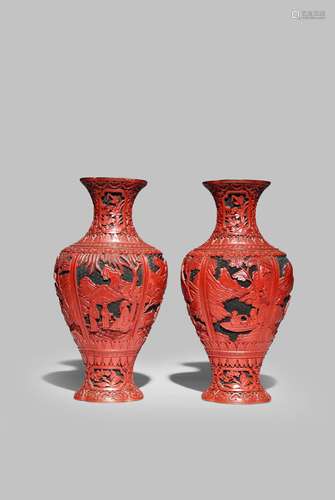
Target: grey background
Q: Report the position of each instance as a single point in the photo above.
(174, 92)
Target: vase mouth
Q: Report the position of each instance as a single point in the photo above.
(125, 181)
(223, 182)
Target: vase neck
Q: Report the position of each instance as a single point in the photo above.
(113, 200)
(236, 203)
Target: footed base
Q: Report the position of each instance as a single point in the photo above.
(123, 395)
(236, 397)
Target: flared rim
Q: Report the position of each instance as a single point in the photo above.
(222, 182)
(113, 180)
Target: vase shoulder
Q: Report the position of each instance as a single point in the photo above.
(236, 249)
(131, 247)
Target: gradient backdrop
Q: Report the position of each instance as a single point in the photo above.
(175, 92)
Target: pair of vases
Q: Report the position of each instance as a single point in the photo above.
(110, 285)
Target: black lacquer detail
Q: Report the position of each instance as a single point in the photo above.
(152, 266)
(127, 274)
(232, 270)
(232, 201)
(231, 305)
(81, 273)
(198, 320)
(236, 379)
(99, 308)
(153, 307)
(193, 274)
(96, 276)
(98, 279)
(286, 300)
(242, 309)
(114, 308)
(112, 198)
(139, 281)
(232, 335)
(282, 262)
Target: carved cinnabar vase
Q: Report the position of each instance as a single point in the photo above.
(110, 285)
(237, 288)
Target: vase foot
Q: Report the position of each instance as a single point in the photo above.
(123, 395)
(236, 397)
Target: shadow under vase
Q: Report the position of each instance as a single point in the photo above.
(73, 379)
(199, 379)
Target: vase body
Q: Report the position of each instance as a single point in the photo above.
(237, 289)
(110, 285)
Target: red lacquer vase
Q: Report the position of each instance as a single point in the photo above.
(110, 285)
(237, 288)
